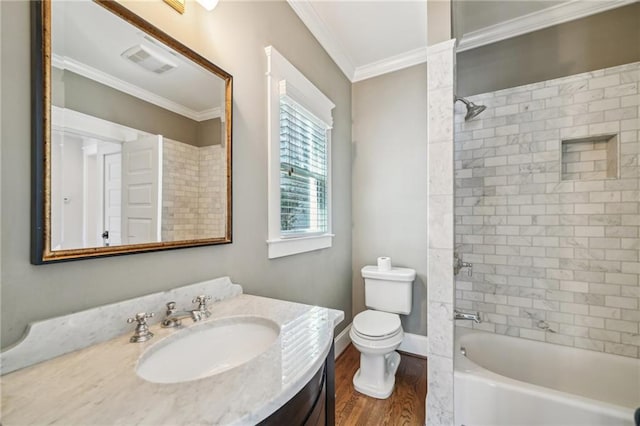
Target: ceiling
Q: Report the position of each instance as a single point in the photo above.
(391, 28)
(369, 38)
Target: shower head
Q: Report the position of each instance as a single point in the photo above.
(473, 110)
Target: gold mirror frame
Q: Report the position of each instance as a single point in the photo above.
(41, 252)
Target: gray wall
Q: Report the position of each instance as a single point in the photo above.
(82, 94)
(209, 132)
(439, 29)
(233, 36)
(390, 181)
(596, 42)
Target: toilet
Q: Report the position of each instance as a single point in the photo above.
(377, 332)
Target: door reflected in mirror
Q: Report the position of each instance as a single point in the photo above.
(138, 139)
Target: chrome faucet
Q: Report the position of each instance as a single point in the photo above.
(174, 317)
(475, 317)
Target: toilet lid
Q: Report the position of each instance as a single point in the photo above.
(376, 323)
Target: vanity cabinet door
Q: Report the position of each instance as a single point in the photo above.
(318, 417)
(297, 411)
(314, 405)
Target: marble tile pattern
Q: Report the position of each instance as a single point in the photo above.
(440, 293)
(98, 384)
(180, 190)
(556, 256)
(212, 192)
(194, 197)
(49, 338)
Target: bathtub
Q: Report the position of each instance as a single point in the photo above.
(509, 381)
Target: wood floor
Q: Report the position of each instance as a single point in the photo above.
(404, 407)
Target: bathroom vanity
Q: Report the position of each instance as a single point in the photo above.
(290, 381)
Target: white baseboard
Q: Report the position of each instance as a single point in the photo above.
(414, 344)
(342, 341)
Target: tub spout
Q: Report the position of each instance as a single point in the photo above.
(475, 317)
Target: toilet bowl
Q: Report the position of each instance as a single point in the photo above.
(376, 335)
(377, 332)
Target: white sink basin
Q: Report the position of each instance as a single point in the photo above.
(207, 349)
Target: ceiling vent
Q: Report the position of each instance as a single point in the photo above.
(149, 59)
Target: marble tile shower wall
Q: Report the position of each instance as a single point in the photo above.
(555, 256)
(441, 293)
(212, 192)
(180, 162)
(194, 191)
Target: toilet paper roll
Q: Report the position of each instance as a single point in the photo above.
(384, 263)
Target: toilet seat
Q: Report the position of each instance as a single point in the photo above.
(376, 325)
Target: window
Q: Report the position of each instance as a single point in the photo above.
(299, 180)
(303, 170)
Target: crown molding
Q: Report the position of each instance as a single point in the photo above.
(319, 30)
(68, 120)
(559, 14)
(208, 114)
(393, 63)
(63, 62)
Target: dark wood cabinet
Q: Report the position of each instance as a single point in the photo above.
(314, 405)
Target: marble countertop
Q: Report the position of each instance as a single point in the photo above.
(99, 385)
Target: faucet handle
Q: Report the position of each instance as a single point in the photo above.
(202, 304)
(458, 264)
(141, 317)
(469, 267)
(171, 307)
(142, 333)
(202, 300)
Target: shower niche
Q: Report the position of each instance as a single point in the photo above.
(589, 158)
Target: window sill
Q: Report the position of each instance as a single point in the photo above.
(281, 247)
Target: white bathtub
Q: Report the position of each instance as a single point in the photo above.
(510, 381)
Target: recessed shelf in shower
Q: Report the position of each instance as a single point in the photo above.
(589, 158)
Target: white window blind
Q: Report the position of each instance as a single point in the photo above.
(303, 170)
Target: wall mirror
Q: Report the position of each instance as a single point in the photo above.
(131, 133)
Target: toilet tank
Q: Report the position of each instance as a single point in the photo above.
(388, 291)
